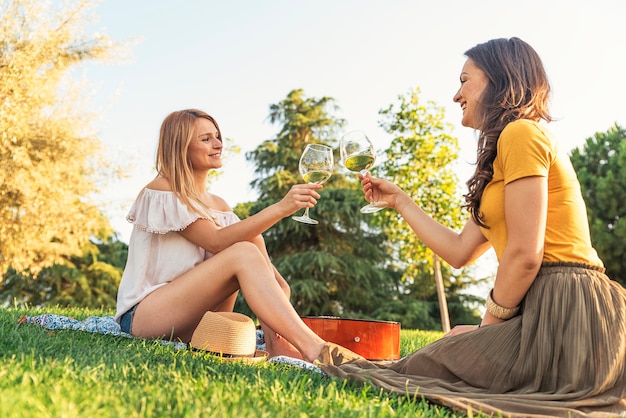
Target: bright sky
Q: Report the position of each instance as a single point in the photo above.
(234, 59)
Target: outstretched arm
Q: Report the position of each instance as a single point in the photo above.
(457, 249)
(209, 236)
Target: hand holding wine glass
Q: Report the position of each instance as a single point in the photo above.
(358, 154)
(316, 166)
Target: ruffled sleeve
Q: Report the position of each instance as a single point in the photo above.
(160, 212)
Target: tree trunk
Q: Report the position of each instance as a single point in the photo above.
(443, 305)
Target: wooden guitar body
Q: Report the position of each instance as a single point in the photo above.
(372, 339)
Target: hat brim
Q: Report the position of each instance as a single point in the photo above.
(259, 355)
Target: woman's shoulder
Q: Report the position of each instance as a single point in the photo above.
(160, 211)
(525, 143)
(523, 131)
(222, 212)
(159, 184)
(217, 203)
(522, 125)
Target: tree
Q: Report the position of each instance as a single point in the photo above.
(90, 280)
(601, 168)
(337, 267)
(420, 160)
(304, 120)
(49, 156)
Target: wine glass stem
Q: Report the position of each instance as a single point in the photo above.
(365, 172)
(306, 212)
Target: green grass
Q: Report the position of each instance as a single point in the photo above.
(68, 373)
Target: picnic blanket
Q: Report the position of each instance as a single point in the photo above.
(107, 325)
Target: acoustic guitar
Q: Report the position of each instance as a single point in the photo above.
(372, 339)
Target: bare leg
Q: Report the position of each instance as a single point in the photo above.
(228, 304)
(274, 343)
(176, 308)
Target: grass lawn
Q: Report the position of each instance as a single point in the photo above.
(68, 373)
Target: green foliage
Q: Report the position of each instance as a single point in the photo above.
(334, 267)
(304, 120)
(50, 158)
(420, 160)
(601, 168)
(90, 280)
(418, 308)
(242, 210)
(337, 267)
(350, 264)
(68, 373)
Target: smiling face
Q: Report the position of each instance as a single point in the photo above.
(473, 83)
(205, 151)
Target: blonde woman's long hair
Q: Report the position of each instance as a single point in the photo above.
(172, 161)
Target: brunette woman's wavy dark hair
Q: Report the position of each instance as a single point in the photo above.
(518, 88)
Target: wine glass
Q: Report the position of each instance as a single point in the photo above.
(316, 166)
(358, 154)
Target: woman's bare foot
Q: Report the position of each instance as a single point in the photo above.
(275, 345)
(314, 351)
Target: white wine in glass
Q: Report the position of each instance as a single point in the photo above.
(316, 166)
(358, 155)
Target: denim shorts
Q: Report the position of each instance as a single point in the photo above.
(126, 320)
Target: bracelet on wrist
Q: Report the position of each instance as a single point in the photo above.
(498, 311)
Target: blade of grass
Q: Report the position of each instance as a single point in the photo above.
(68, 373)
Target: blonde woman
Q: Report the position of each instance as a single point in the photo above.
(189, 253)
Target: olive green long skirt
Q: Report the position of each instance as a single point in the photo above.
(563, 356)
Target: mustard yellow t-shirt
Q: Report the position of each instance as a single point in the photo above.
(525, 148)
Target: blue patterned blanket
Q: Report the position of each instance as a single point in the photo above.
(107, 325)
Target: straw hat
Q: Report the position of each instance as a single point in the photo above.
(229, 335)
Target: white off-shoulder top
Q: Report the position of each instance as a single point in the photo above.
(157, 253)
